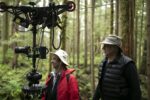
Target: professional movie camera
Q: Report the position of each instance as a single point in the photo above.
(31, 15)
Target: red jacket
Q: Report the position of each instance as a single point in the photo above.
(66, 90)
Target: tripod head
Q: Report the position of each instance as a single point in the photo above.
(31, 15)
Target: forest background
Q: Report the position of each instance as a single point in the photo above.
(81, 34)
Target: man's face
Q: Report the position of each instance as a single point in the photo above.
(55, 61)
(108, 50)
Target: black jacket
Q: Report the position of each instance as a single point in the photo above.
(129, 73)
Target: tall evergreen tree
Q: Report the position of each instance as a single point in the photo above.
(86, 35)
(92, 46)
(117, 18)
(112, 17)
(78, 32)
(64, 25)
(148, 45)
(5, 32)
(126, 25)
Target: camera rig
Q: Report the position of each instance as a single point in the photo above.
(31, 15)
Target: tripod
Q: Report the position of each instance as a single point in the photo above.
(45, 16)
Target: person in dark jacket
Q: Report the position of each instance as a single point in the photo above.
(61, 84)
(118, 77)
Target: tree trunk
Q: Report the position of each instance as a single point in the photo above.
(64, 25)
(143, 60)
(117, 18)
(50, 49)
(78, 32)
(92, 46)
(148, 45)
(126, 23)
(112, 17)
(106, 28)
(5, 32)
(50, 45)
(85, 36)
(135, 40)
(44, 3)
(141, 47)
(14, 26)
(74, 38)
(131, 27)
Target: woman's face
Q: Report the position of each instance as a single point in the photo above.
(55, 61)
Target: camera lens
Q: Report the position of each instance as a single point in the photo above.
(24, 50)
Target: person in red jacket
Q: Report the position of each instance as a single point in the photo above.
(61, 84)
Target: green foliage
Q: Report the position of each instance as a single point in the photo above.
(11, 82)
(84, 80)
(143, 83)
(84, 83)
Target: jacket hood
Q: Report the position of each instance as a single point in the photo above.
(69, 71)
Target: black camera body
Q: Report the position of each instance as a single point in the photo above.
(40, 51)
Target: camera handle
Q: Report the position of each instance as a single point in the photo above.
(34, 31)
